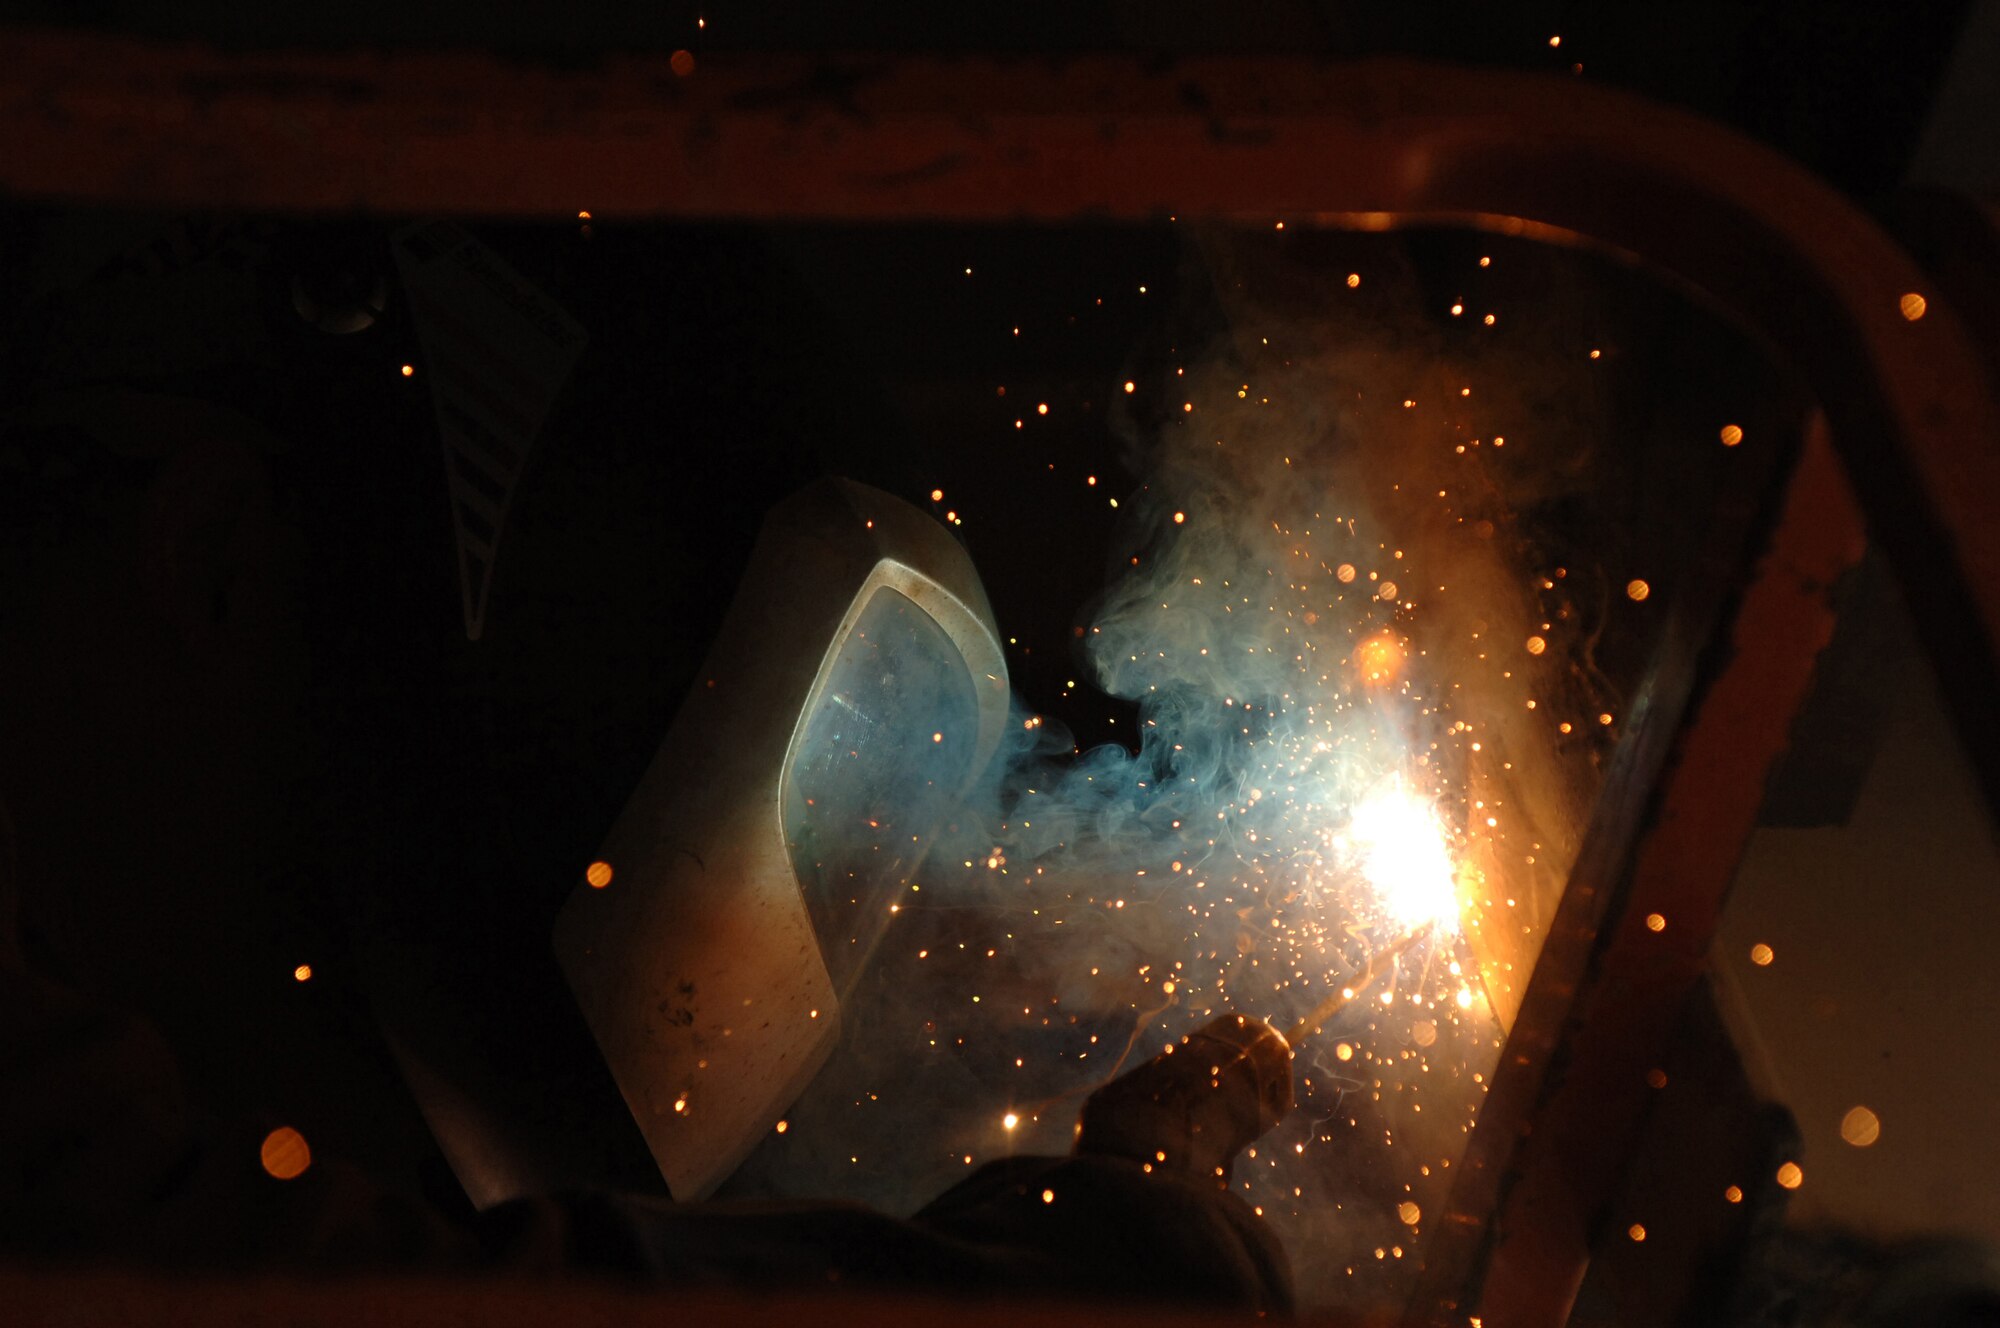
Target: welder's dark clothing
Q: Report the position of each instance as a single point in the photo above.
(103, 1159)
(104, 1155)
(1024, 1226)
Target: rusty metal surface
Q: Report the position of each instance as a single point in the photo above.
(1706, 1136)
(1549, 1157)
(1910, 406)
(1619, 819)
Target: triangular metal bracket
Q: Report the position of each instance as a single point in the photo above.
(497, 352)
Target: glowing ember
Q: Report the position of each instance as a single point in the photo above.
(1379, 658)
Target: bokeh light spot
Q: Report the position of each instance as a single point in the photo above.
(284, 1154)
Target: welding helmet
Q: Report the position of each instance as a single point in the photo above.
(856, 682)
(856, 690)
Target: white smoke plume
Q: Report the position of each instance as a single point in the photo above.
(1324, 622)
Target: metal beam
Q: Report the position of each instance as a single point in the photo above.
(1627, 948)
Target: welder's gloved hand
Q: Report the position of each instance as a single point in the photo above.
(1105, 1226)
(1028, 1227)
(1194, 1107)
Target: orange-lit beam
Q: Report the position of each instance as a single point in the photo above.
(1624, 952)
